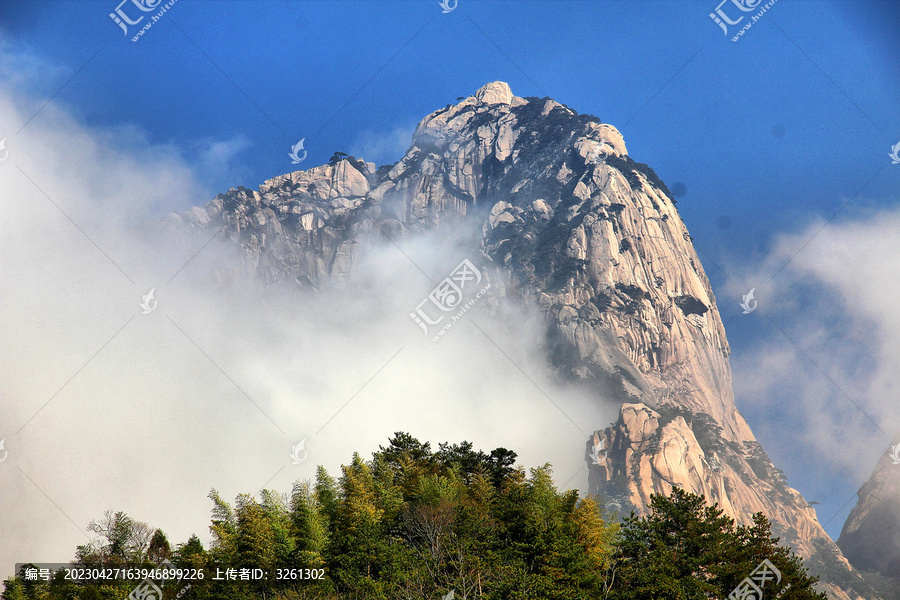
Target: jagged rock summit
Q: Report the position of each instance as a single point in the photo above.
(497, 92)
(577, 229)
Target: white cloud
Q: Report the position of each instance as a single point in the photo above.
(217, 159)
(383, 147)
(827, 365)
(104, 407)
(18, 66)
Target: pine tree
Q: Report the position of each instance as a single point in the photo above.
(685, 550)
(159, 548)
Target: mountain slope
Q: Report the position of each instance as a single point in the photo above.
(594, 240)
(870, 538)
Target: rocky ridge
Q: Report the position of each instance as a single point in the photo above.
(870, 538)
(577, 228)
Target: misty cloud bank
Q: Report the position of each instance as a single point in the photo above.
(820, 386)
(105, 407)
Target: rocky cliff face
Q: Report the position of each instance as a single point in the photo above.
(870, 538)
(592, 238)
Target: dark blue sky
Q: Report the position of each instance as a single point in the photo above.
(763, 135)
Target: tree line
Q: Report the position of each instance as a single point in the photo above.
(414, 523)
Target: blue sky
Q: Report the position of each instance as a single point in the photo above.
(765, 135)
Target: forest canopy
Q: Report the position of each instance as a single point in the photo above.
(412, 522)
